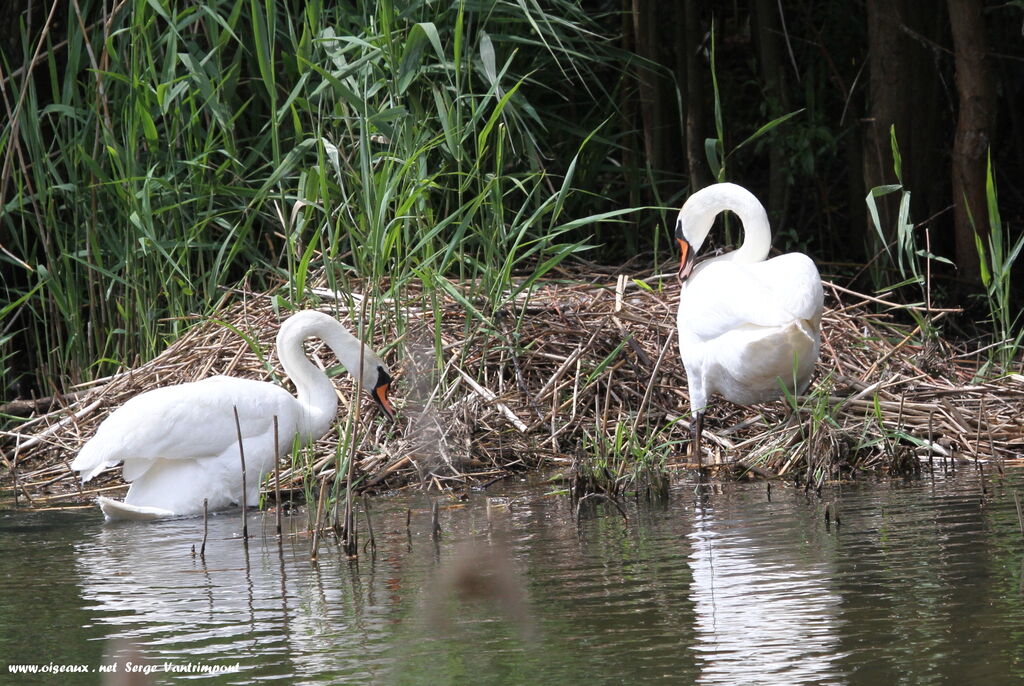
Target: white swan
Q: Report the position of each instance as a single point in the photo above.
(179, 444)
(747, 326)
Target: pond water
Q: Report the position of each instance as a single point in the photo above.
(921, 582)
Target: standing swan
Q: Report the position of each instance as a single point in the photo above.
(179, 443)
(747, 326)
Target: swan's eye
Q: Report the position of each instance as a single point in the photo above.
(679, 229)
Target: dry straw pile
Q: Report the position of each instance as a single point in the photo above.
(544, 381)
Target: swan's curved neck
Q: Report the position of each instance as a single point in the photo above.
(315, 392)
(698, 216)
(318, 401)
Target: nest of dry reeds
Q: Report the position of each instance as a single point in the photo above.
(549, 377)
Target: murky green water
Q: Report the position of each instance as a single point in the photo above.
(921, 583)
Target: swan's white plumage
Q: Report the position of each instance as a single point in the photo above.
(746, 324)
(179, 443)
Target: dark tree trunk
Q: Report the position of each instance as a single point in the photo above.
(887, 66)
(973, 132)
(689, 67)
(654, 39)
(773, 73)
(905, 92)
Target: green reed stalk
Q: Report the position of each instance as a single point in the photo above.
(170, 150)
(996, 260)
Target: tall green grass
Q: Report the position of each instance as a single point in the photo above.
(168, 150)
(997, 254)
(996, 257)
(903, 249)
(714, 148)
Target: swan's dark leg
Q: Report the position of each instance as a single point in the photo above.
(695, 429)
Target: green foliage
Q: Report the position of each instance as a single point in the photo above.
(996, 260)
(911, 261)
(627, 459)
(714, 148)
(169, 150)
(907, 251)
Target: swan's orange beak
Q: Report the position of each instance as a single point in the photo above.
(685, 258)
(380, 393)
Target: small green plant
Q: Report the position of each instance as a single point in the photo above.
(907, 256)
(912, 261)
(628, 461)
(996, 260)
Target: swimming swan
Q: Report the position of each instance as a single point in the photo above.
(179, 444)
(746, 325)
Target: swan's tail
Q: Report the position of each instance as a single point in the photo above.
(114, 509)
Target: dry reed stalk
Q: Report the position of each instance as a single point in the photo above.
(314, 548)
(372, 541)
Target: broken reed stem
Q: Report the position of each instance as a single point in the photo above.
(206, 531)
(369, 525)
(435, 521)
(241, 453)
(1020, 514)
(315, 543)
(350, 545)
(408, 526)
(977, 436)
(931, 439)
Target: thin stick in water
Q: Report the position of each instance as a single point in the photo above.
(931, 444)
(277, 477)
(435, 524)
(316, 527)
(241, 453)
(369, 525)
(977, 437)
(206, 530)
(1020, 514)
(408, 526)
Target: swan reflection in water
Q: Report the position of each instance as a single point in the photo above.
(269, 608)
(757, 601)
(764, 610)
(239, 604)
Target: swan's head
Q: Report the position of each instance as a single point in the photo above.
(375, 377)
(356, 357)
(689, 244)
(697, 216)
(379, 392)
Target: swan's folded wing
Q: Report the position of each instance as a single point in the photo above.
(796, 283)
(187, 421)
(725, 296)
